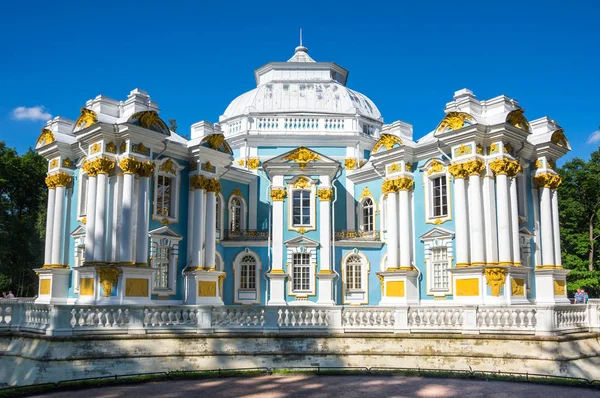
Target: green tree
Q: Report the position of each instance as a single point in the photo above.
(22, 218)
(579, 207)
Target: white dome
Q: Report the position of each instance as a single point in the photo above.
(314, 97)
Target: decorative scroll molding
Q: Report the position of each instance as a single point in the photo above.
(454, 121)
(547, 180)
(495, 278)
(278, 194)
(388, 141)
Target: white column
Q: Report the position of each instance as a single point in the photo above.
(547, 227)
(461, 221)
(477, 232)
(556, 230)
(143, 220)
(489, 216)
(100, 218)
(199, 183)
(277, 275)
(277, 254)
(90, 217)
(514, 221)
(58, 226)
(503, 211)
(325, 231)
(392, 230)
(405, 229)
(211, 229)
(126, 241)
(49, 226)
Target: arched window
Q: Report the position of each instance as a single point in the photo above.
(248, 272)
(354, 273)
(367, 217)
(235, 215)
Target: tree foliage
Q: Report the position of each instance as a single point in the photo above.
(579, 207)
(22, 218)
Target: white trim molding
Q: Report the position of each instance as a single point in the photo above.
(355, 296)
(164, 238)
(438, 239)
(246, 296)
(167, 168)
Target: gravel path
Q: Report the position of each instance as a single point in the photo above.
(302, 386)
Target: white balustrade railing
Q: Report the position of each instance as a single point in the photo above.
(298, 317)
(436, 319)
(571, 316)
(66, 320)
(224, 317)
(368, 317)
(503, 319)
(99, 317)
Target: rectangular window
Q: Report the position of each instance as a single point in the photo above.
(354, 277)
(301, 273)
(163, 196)
(439, 197)
(248, 273)
(439, 260)
(161, 263)
(301, 207)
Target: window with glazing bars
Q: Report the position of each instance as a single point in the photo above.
(368, 219)
(236, 215)
(161, 264)
(301, 207)
(439, 197)
(439, 261)
(163, 196)
(301, 273)
(248, 273)
(354, 273)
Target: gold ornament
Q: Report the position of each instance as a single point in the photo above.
(108, 279)
(213, 185)
(301, 231)
(493, 149)
(538, 164)
(407, 167)
(454, 121)
(303, 156)
(397, 184)
(150, 120)
(508, 148)
(198, 182)
(495, 278)
(474, 167)
(146, 169)
(463, 150)
(241, 162)
(365, 193)
(45, 138)
(325, 194)
(95, 148)
(505, 166)
(302, 182)
(394, 168)
(253, 163)
(168, 166)
(141, 149)
(123, 147)
(129, 165)
(53, 163)
(87, 118)
(193, 166)
(58, 180)
(517, 287)
(458, 170)
(435, 167)
(111, 147)
(208, 167)
(350, 163)
(278, 194)
(479, 149)
(517, 119)
(388, 141)
(558, 138)
(547, 180)
(67, 163)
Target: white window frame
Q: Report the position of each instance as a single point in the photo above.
(302, 183)
(302, 245)
(82, 191)
(243, 212)
(78, 254)
(221, 210)
(246, 296)
(430, 218)
(521, 182)
(361, 209)
(219, 267)
(164, 236)
(437, 238)
(175, 174)
(355, 296)
(382, 219)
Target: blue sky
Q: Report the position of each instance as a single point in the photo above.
(194, 57)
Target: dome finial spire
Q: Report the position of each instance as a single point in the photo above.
(301, 37)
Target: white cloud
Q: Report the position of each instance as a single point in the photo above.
(594, 137)
(31, 114)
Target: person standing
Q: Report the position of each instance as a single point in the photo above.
(10, 295)
(579, 296)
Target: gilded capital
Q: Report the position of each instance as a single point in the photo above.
(253, 163)
(198, 182)
(474, 167)
(58, 180)
(325, 194)
(98, 166)
(146, 169)
(404, 183)
(458, 170)
(505, 166)
(108, 279)
(547, 180)
(213, 185)
(129, 165)
(350, 163)
(388, 186)
(278, 194)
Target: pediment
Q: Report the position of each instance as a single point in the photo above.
(165, 232)
(526, 232)
(437, 233)
(301, 241)
(301, 156)
(79, 231)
